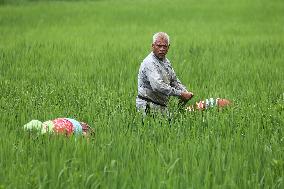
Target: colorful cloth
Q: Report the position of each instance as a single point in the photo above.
(62, 125)
(77, 126)
(203, 104)
(208, 103)
(66, 126)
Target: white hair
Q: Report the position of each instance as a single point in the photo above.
(162, 35)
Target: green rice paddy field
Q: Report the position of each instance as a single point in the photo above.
(80, 59)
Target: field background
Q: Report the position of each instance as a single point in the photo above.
(80, 59)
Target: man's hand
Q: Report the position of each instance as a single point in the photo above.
(186, 96)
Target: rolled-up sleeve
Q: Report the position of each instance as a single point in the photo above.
(158, 84)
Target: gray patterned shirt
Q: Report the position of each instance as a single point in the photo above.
(157, 81)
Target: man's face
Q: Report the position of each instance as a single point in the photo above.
(160, 48)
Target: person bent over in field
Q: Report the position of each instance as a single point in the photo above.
(209, 103)
(65, 126)
(157, 80)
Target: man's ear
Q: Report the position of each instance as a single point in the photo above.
(169, 46)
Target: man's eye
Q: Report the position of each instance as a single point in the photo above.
(165, 46)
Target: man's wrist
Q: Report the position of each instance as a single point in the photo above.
(178, 92)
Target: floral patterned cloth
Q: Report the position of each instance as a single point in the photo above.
(66, 126)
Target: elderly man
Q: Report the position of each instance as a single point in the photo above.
(157, 80)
